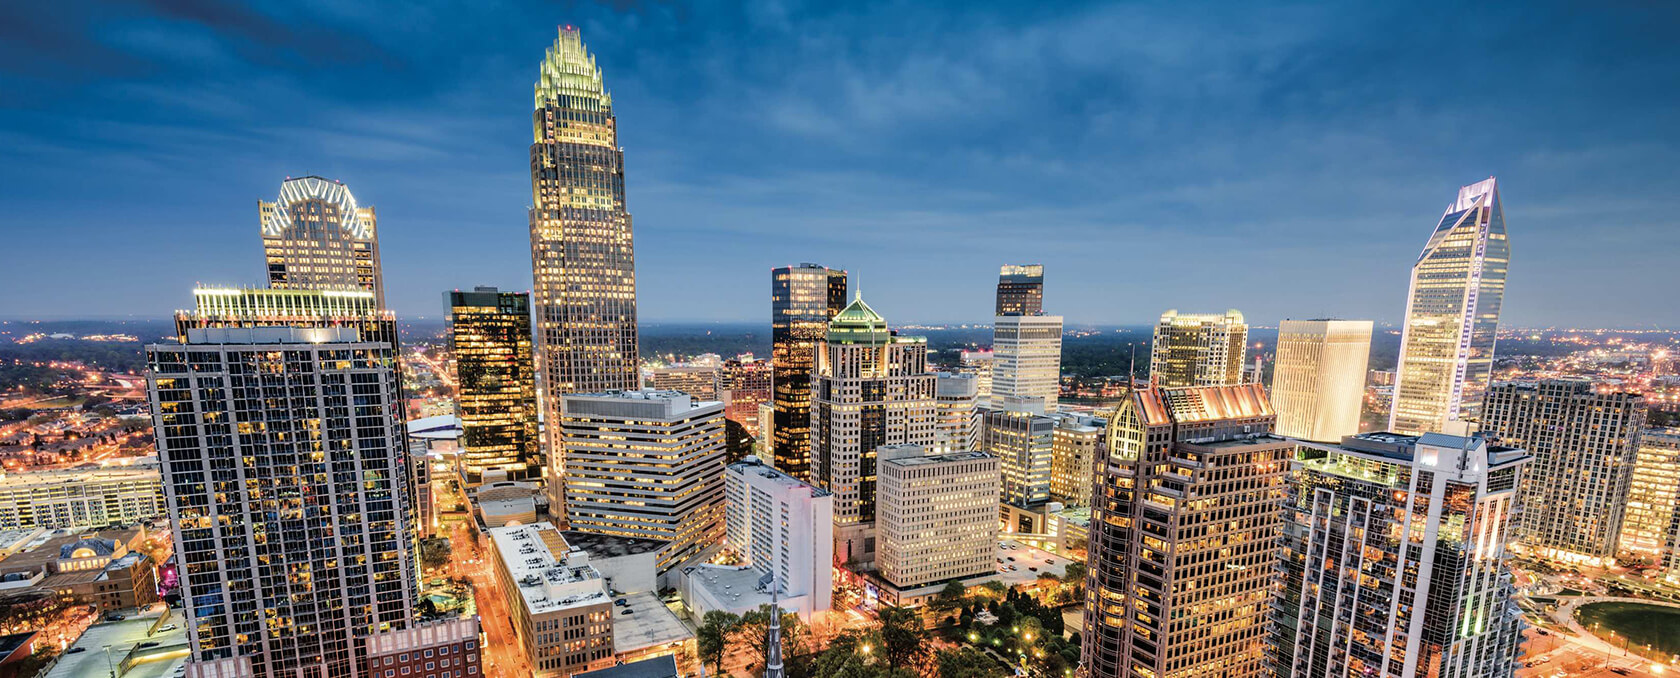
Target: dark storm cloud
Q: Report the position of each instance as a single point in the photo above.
(1287, 160)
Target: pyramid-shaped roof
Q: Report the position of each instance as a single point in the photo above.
(858, 323)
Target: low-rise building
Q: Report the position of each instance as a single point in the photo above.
(446, 648)
(81, 498)
(92, 568)
(559, 605)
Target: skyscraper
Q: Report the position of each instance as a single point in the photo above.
(1585, 444)
(938, 515)
(646, 464)
(1651, 529)
(1021, 440)
(1318, 384)
(229, 307)
(582, 259)
(1452, 313)
(495, 385)
(803, 299)
(1198, 349)
(743, 385)
(1074, 448)
(1183, 539)
(315, 237)
(959, 422)
(285, 472)
(1395, 560)
(871, 388)
(1020, 290)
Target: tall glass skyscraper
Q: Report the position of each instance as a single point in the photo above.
(495, 384)
(1452, 313)
(315, 237)
(802, 300)
(582, 261)
(1020, 289)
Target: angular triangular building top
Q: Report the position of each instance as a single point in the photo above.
(569, 70)
(858, 323)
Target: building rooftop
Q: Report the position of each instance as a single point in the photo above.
(738, 586)
(551, 573)
(757, 467)
(657, 667)
(650, 625)
(647, 402)
(258, 336)
(440, 427)
(612, 546)
(925, 460)
(79, 476)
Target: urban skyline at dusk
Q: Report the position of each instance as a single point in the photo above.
(916, 148)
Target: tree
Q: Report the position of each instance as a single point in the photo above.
(901, 635)
(967, 662)
(949, 597)
(752, 629)
(712, 638)
(434, 551)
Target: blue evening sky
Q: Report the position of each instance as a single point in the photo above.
(1288, 160)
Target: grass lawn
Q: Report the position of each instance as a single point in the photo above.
(1639, 623)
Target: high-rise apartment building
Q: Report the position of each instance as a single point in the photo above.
(938, 516)
(781, 525)
(229, 307)
(958, 421)
(80, 498)
(315, 237)
(1021, 440)
(1651, 527)
(495, 385)
(803, 299)
(1027, 358)
(1074, 447)
(1183, 537)
(1318, 383)
(1395, 560)
(1452, 314)
(583, 262)
(1020, 290)
(871, 388)
(286, 471)
(1198, 349)
(743, 385)
(1585, 443)
(646, 464)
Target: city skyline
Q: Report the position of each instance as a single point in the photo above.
(444, 153)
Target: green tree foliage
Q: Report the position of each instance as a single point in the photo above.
(901, 636)
(967, 662)
(712, 638)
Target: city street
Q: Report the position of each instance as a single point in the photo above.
(503, 656)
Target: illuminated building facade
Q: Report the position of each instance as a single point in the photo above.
(1021, 442)
(979, 364)
(871, 388)
(80, 498)
(558, 603)
(1395, 560)
(646, 464)
(938, 515)
(1318, 383)
(228, 307)
(700, 381)
(582, 259)
(285, 471)
(1198, 349)
(1020, 290)
(743, 385)
(495, 385)
(1585, 444)
(1183, 537)
(959, 421)
(1074, 446)
(1027, 359)
(1651, 528)
(315, 237)
(803, 299)
(1452, 314)
(781, 525)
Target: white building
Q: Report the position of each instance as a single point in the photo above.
(1318, 383)
(646, 464)
(959, 422)
(557, 600)
(779, 524)
(72, 498)
(1027, 358)
(938, 518)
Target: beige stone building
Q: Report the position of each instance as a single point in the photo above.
(561, 612)
(1198, 349)
(1318, 384)
(938, 515)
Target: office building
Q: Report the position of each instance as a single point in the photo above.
(1585, 444)
(1021, 440)
(979, 364)
(1396, 561)
(743, 385)
(1027, 358)
(1020, 290)
(700, 381)
(583, 263)
(871, 388)
(103, 569)
(556, 598)
(80, 498)
(938, 516)
(316, 237)
(1318, 383)
(1452, 314)
(1651, 527)
(958, 424)
(1183, 539)
(1074, 447)
(495, 385)
(1198, 349)
(646, 464)
(803, 299)
(783, 526)
(284, 462)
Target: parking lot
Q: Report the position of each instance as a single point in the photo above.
(1027, 562)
